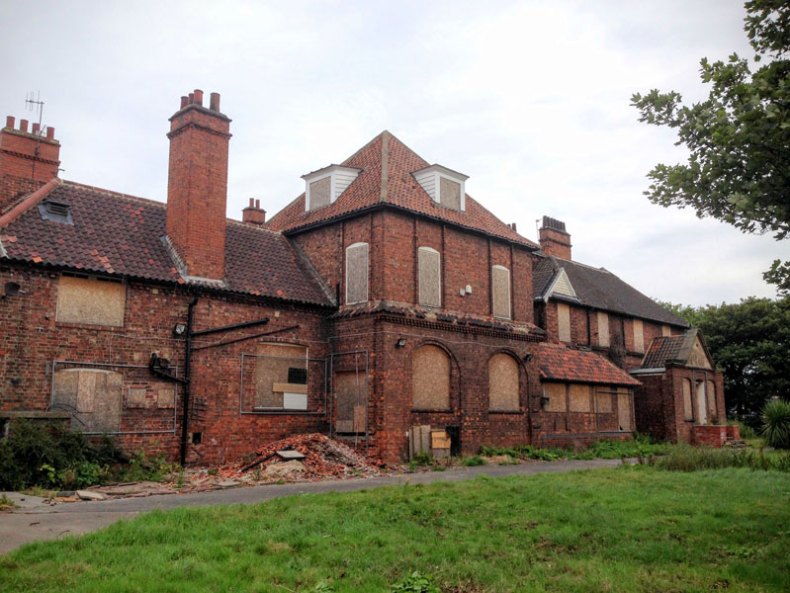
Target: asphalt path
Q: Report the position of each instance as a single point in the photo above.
(37, 520)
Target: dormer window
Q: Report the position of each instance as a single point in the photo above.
(55, 211)
(324, 186)
(445, 186)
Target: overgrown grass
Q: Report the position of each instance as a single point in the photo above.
(630, 529)
(640, 446)
(686, 458)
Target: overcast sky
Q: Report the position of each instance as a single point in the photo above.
(530, 99)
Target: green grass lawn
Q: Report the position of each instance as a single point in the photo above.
(621, 530)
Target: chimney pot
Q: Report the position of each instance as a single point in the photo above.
(184, 101)
(10, 121)
(191, 98)
(258, 204)
(50, 133)
(23, 125)
(214, 102)
(252, 202)
(36, 128)
(198, 97)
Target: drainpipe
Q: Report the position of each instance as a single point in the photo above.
(188, 360)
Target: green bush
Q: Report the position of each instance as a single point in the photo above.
(46, 454)
(776, 424)
(473, 461)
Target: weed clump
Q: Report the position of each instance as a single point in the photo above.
(685, 458)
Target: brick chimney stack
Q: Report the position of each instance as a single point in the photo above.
(28, 159)
(254, 214)
(197, 185)
(554, 240)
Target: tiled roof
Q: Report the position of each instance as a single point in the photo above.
(675, 349)
(600, 289)
(386, 177)
(117, 234)
(558, 363)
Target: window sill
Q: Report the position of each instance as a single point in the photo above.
(281, 412)
(431, 411)
(506, 412)
(93, 326)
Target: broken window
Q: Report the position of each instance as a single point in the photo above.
(500, 287)
(688, 411)
(555, 397)
(603, 329)
(357, 273)
(429, 277)
(503, 383)
(564, 322)
(579, 397)
(94, 301)
(430, 367)
(281, 377)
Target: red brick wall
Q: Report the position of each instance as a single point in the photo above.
(197, 188)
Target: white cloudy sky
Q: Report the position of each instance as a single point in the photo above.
(530, 99)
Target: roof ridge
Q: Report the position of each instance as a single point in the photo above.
(29, 201)
(385, 166)
(114, 193)
(246, 225)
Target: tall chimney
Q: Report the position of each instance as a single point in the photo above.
(554, 240)
(254, 214)
(27, 160)
(197, 186)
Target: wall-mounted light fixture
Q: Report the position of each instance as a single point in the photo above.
(400, 343)
(179, 329)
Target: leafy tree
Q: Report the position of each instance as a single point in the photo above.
(749, 342)
(738, 169)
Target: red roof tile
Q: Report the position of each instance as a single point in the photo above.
(386, 177)
(558, 363)
(122, 235)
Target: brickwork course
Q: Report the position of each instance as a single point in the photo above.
(185, 333)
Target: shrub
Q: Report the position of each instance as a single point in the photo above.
(776, 424)
(473, 461)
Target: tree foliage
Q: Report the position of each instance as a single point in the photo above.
(738, 169)
(749, 342)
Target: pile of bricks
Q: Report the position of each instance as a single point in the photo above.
(323, 458)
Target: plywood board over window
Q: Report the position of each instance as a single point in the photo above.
(603, 329)
(688, 413)
(579, 397)
(320, 193)
(93, 396)
(281, 376)
(91, 301)
(357, 271)
(564, 322)
(639, 336)
(624, 409)
(450, 193)
(711, 393)
(603, 400)
(503, 383)
(430, 366)
(500, 288)
(429, 277)
(555, 392)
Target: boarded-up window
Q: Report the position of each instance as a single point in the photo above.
(430, 371)
(320, 193)
(429, 277)
(500, 287)
(555, 392)
(666, 331)
(503, 383)
(603, 329)
(564, 322)
(91, 301)
(357, 273)
(94, 397)
(603, 400)
(351, 396)
(579, 397)
(711, 392)
(450, 193)
(688, 413)
(281, 376)
(624, 409)
(639, 336)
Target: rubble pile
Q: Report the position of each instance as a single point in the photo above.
(322, 458)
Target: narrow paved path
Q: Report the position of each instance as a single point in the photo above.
(40, 521)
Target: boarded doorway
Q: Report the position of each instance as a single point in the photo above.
(351, 395)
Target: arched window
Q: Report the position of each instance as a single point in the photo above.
(429, 277)
(357, 273)
(503, 383)
(688, 412)
(500, 292)
(430, 371)
(711, 392)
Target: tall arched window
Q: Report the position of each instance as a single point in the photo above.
(430, 372)
(688, 408)
(429, 277)
(711, 392)
(357, 267)
(503, 383)
(500, 292)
